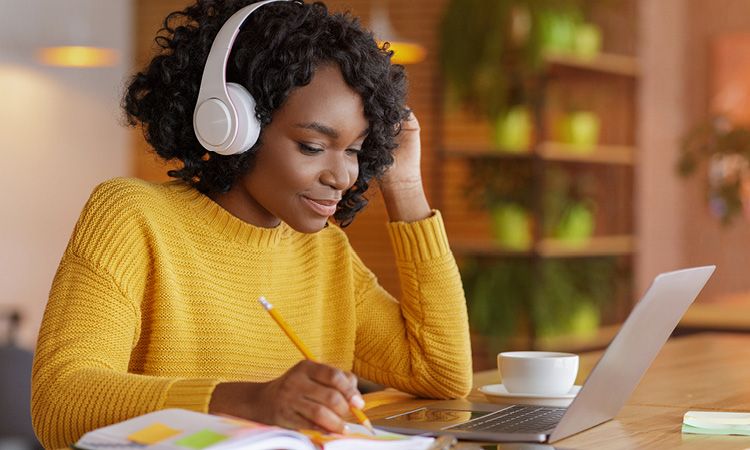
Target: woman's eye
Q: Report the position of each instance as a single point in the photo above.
(308, 149)
(353, 151)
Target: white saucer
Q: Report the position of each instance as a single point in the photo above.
(497, 393)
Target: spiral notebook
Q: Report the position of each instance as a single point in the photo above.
(179, 429)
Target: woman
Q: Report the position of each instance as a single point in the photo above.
(154, 304)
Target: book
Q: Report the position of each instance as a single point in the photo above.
(716, 422)
(179, 429)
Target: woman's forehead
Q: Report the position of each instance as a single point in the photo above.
(327, 104)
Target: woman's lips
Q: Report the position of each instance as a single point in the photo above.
(324, 207)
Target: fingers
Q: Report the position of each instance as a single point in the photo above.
(297, 401)
(328, 397)
(339, 380)
(296, 420)
(357, 399)
(328, 394)
(411, 122)
(320, 415)
(309, 395)
(315, 396)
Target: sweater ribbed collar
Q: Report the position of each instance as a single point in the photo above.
(226, 224)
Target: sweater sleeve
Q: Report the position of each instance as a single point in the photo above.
(91, 324)
(419, 344)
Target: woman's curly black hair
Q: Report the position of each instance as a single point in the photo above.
(278, 49)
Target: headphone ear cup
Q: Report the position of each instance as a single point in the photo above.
(248, 125)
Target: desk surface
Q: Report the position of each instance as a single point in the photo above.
(698, 372)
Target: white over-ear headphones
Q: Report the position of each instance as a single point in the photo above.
(224, 118)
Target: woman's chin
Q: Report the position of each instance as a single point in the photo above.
(308, 226)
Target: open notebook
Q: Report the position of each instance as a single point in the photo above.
(179, 429)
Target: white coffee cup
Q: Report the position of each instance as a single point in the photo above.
(538, 373)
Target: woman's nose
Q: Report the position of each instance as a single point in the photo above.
(339, 173)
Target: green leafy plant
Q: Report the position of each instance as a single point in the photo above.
(558, 297)
(571, 294)
(567, 198)
(498, 294)
(724, 148)
(512, 182)
(492, 50)
(507, 181)
(505, 190)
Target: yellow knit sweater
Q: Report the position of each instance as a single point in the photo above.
(155, 302)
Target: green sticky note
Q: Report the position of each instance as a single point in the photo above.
(717, 431)
(201, 439)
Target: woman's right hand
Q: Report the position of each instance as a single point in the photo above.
(309, 395)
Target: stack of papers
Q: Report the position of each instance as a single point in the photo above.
(713, 422)
(178, 429)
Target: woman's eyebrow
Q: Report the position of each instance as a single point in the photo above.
(325, 129)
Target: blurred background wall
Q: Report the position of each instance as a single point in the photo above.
(676, 226)
(705, 238)
(61, 135)
(660, 195)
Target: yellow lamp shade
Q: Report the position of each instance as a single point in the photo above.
(405, 52)
(78, 56)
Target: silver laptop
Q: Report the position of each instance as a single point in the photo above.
(605, 391)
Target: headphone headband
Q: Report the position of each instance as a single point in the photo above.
(214, 101)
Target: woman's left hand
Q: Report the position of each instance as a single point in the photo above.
(401, 185)
(405, 172)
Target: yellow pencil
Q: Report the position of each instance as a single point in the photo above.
(361, 417)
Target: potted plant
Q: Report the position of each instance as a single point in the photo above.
(492, 51)
(505, 191)
(514, 297)
(498, 294)
(570, 297)
(724, 149)
(579, 129)
(568, 206)
(513, 130)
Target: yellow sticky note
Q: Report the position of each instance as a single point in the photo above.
(156, 432)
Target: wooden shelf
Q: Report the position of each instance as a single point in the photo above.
(728, 313)
(553, 151)
(606, 63)
(488, 249)
(596, 246)
(482, 151)
(552, 248)
(608, 154)
(576, 344)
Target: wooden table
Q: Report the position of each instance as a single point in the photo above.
(727, 313)
(697, 372)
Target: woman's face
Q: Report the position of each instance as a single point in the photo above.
(308, 156)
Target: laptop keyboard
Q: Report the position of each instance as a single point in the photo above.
(517, 418)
